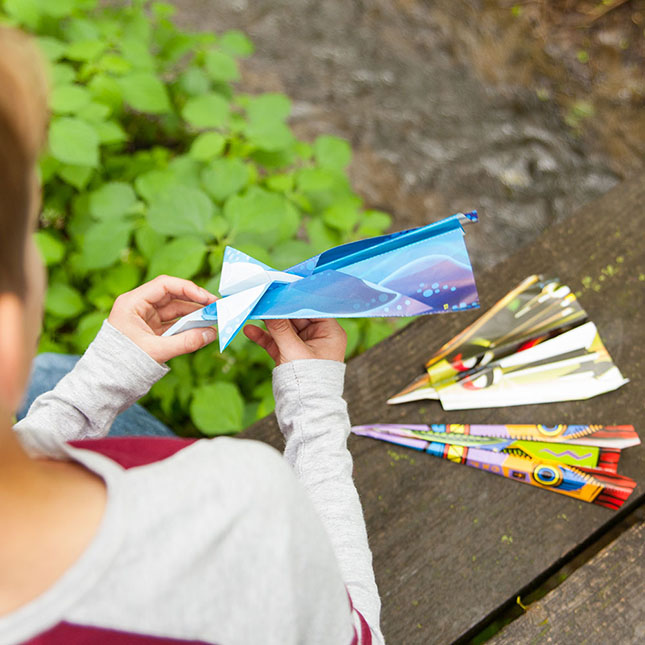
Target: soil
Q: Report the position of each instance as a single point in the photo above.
(453, 105)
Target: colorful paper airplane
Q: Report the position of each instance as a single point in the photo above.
(423, 270)
(536, 345)
(577, 461)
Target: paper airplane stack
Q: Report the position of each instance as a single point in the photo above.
(577, 461)
(423, 270)
(536, 345)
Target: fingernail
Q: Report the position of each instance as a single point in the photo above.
(208, 335)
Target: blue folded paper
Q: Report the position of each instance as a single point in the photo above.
(423, 270)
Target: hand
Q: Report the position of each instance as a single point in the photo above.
(147, 311)
(293, 340)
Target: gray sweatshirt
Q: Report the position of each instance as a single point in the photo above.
(225, 541)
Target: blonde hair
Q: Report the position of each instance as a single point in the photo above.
(23, 122)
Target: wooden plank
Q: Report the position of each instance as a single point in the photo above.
(602, 602)
(452, 544)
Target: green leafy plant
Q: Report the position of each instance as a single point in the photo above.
(155, 162)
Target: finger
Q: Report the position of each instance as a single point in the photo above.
(282, 331)
(163, 348)
(176, 309)
(285, 336)
(263, 339)
(300, 323)
(164, 288)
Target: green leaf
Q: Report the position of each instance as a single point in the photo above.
(63, 301)
(67, 99)
(114, 64)
(85, 50)
(25, 12)
(269, 136)
(77, 176)
(144, 92)
(217, 408)
(352, 329)
(207, 145)
(235, 43)
(110, 132)
(58, 9)
(194, 81)
(48, 345)
(304, 150)
(163, 9)
(94, 112)
(291, 252)
(221, 67)
(151, 183)
(80, 28)
(47, 167)
(52, 48)
(62, 74)
(322, 186)
(113, 199)
(374, 223)
(180, 210)
(268, 108)
(148, 241)
(224, 177)
(137, 54)
(88, 327)
(343, 215)
(74, 142)
(332, 152)
(206, 111)
(255, 251)
(104, 242)
(186, 171)
(121, 278)
(98, 295)
(280, 183)
(376, 331)
(218, 226)
(258, 212)
(50, 246)
(182, 257)
(274, 159)
(106, 90)
(81, 220)
(321, 237)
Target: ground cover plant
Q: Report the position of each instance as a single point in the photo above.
(155, 162)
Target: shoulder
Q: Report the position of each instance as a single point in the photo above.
(219, 526)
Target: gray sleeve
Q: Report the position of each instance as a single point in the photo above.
(111, 375)
(313, 418)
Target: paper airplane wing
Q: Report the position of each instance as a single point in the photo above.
(420, 271)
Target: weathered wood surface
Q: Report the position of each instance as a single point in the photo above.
(602, 602)
(452, 544)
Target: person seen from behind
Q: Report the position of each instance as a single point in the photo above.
(154, 539)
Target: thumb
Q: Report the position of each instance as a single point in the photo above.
(163, 348)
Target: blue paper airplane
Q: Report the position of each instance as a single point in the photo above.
(423, 270)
